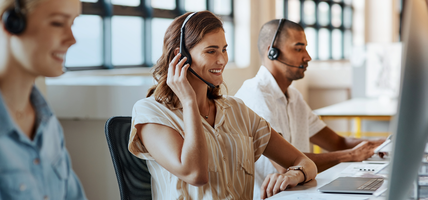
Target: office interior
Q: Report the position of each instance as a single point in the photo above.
(84, 99)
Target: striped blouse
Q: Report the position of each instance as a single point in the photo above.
(237, 140)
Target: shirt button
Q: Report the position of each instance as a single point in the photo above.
(36, 161)
(46, 198)
(22, 187)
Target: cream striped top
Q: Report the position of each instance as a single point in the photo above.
(237, 140)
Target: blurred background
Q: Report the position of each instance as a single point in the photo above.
(355, 47)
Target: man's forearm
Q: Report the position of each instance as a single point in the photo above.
(351, 142)
(327, 160)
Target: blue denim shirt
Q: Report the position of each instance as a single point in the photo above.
(38, 169)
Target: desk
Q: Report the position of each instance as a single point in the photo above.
(321, 179)
(358, 109)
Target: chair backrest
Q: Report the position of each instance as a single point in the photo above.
(131, 172)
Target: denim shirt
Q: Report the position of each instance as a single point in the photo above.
(38, 169)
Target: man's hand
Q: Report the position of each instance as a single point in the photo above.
(363, 151)
(275, 183)
(377, 142)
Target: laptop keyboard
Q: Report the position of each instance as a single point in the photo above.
(372, 184)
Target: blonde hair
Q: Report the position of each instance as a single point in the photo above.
(202, 23)
(27, 6)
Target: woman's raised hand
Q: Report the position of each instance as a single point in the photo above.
(177, 79)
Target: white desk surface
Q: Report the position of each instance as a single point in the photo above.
(360, 107)
(321, 179)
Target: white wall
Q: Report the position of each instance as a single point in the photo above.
(381, 21)
(86, 143)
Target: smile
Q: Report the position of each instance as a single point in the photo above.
(59, 55)
(215, 70)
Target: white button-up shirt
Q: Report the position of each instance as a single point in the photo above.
(292, 117)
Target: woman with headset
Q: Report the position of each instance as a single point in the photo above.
(34, 37)
(199, 144)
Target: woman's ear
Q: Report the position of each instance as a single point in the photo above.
(176, 50)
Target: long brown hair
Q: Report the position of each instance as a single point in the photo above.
(200, 24)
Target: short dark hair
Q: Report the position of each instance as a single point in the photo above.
(268, 31)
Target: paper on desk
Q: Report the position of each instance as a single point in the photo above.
(362, 170)
(318, 196)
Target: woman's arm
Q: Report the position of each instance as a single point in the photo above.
(186, 158)
(283, 153)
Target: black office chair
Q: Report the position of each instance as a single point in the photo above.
(131, 172)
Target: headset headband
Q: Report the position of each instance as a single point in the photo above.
(185, 53)
(276, 33)
(187, 19)
(17, 6)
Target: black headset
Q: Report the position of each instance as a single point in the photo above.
(185, 53)
(14, 19)
(273, 52)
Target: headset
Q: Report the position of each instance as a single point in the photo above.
(185, 53)
(273, 52)
(14, 19)
(14, 22)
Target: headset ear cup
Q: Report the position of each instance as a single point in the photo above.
(14, 22)
(273, 53)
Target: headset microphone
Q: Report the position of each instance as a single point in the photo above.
(185, 53)
(300, 66)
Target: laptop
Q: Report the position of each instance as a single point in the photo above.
(352, 185)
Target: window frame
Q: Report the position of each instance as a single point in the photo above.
(106, 10)
(316, 26)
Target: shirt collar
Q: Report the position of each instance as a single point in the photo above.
(269, 84)
(7, 125)
(43, 112)
(222, 103)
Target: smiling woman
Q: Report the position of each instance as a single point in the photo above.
(34, 163)
(197, 143)
(41, 47)
(194, 35)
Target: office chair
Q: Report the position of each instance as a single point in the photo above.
(132, 174)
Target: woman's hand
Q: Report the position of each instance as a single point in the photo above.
(275, 183)
(177, 79)
(293, 157)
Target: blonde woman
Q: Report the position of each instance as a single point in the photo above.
(34, 37)
(199, 144)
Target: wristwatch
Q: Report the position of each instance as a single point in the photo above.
(299, 168)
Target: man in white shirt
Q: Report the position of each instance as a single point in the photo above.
(282, 48)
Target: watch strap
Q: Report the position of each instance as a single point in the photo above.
(299, 168)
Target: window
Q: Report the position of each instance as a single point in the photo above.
(129, 33)
(327, 24)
